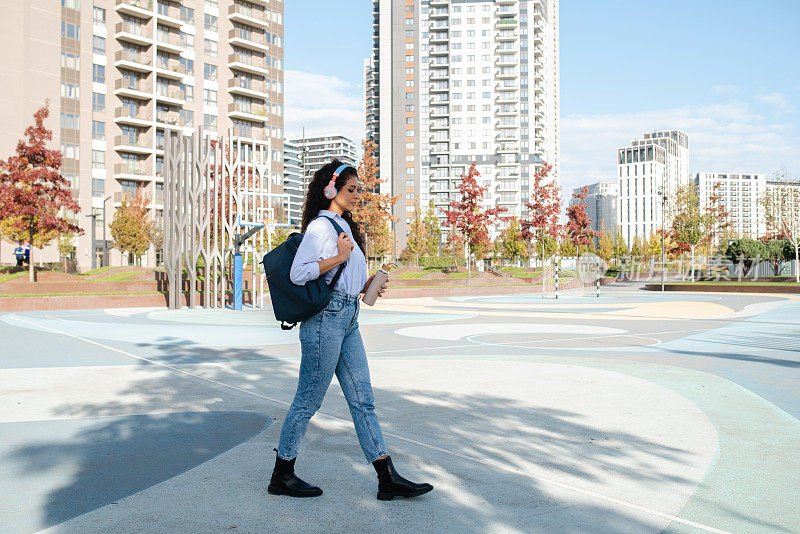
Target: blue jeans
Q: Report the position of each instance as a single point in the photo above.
(330, 342)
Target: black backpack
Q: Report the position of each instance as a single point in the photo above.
(292, 303)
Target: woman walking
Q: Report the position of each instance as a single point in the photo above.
(330, 340)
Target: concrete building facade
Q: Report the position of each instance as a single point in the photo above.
(320, 150)
(601, 205)
(293, 181)
(658, 162)
(463, 81)
(739, 192)
(120, 73)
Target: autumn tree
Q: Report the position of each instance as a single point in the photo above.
(544, 209)
(417, 237)
(373, 209)
(605, 248)
(719, 218)
(618, 245)
(131, 227)
(468, 217)
(691, 226)
(578, 229)
(33, 194)
(782, 214)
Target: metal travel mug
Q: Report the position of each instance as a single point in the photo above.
(371, 294)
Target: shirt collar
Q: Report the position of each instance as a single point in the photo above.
(327, 213)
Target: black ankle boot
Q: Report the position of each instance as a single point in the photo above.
(391, 484)
(285, 482)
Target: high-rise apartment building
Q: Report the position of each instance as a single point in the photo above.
(320, 150)
(293, 181)
(463, 81)
(659, 161)
(120, 73)
(739, 193)
(601, 205)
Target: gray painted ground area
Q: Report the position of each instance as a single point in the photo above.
(632, 412)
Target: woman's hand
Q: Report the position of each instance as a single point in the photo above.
(380, 291)
(345, 246)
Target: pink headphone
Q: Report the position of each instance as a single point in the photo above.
(330, 189)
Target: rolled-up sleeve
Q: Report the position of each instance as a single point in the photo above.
(305, 266)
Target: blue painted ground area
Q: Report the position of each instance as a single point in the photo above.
(147, 420)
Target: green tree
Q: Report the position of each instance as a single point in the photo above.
(745, 251)
(511, 238)
(433, 231)
(691, 226)
(417, 237)
(131, 228)
(778, 252)
(619, 246)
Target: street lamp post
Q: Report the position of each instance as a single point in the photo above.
(663, 196)
(105, 243)
(93, 217)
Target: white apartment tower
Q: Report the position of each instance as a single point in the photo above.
(320, 150)
(293, 181)
(659, 161)
(739, 193)
(463, 81)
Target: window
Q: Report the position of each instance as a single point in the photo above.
(70, 31)
(98, 45)
(70, 151)
(187, 14)
(70, 120)
(188, 66)
(98, 159)
(70, 90)
(98, 130)
(186, 39)
(189, 92)
(72, 4)
(98, 16)
(98, 102)
(98, 73)
(187, 117)
(70, 61)
(210, 47)
(210, 122)
(209, 72)
(98, 188)
(210, 22)
(210, 97)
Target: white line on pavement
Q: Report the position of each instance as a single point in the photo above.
(483, 461)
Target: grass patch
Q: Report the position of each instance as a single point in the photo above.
(413, 275)
(12, 276)
(520, 272)
(99, 270)
(119, 277)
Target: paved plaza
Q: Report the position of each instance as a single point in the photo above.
(632, 412)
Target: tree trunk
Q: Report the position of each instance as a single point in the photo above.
(31, 270)
(691, 266)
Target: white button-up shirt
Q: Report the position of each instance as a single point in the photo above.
(320, 242)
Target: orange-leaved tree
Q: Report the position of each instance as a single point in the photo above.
(373, 209)
(33, 194)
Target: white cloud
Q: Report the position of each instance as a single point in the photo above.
(726, 136)
(778, 100)
(323, 105)
(725, 89)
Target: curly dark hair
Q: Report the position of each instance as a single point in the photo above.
(316, 201)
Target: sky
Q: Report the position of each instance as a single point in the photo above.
(727, 72)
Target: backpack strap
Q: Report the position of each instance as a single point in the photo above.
(341, 267)
(287, 326)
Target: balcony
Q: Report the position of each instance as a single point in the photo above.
(506, 73)
(167, 118)
(506, 35)
(505, 50)
(439, 3)
(168, 16)
(255, 134)
(127, 171)
(439, 125)
(438, 13)
(439, 74)
(441, 148)
(248, 39)
(170, 41)
(507, 98)
(503, 24)
(438, 25)
(507, 163)
(247, 15)
(438, 37)
(134, 33)
(239, 86)
(137, 8)
(246, 63)
(507, 134)
(439, 50)
(171, 95)
(139, 89)
(507, 148)
(506, 187)
(133, 61)
(503, 201)
(506, 111)
(506, 2)
(439, 111)
(169, 69)
(440, 87)
(138, 117)
(136, 144)
(247, 111)
(506, 86)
